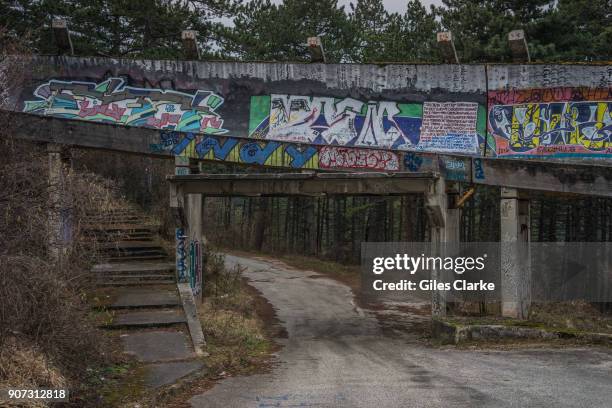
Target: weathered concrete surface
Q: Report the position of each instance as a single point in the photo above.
(525, 76)
(135, 297)
(450, 333)
(304, 184)
(134, 267)
(167, 373)
(573, 178)
(337, 355)
(148, 318)
(153, 346)
(192, 319)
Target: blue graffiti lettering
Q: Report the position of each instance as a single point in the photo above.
(182, 145)
(219, 151)
(253, 153)
(300, 157)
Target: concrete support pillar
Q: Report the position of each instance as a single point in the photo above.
(177, 204)
(59, 203)
(444, 227)
(195, 240)
(515, 256)
(189, 236)
(55, 201)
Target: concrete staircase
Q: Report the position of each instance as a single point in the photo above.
(134, 272)
(129, 249)
(137, 279)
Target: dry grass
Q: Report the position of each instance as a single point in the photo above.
(25, 366)
(577, 316)
(46, 336)
(568, 317)
(237, 339)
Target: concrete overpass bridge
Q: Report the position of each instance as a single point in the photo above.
(354, 129)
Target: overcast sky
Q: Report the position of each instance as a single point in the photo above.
(393, 6)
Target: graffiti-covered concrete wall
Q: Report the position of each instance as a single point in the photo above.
(550, 110)
(334, 110)
(439, 108)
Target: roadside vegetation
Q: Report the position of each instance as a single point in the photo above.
(239, 328)
(565, 317)
(236, 321)
(47, 338)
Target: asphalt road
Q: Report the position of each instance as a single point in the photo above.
(337, 355)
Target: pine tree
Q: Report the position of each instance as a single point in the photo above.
(264, 31)
(369, 22)
(118, 28)
(481, 28)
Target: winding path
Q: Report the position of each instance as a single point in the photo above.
(337, 355)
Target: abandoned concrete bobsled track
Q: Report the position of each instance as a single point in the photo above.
(337, 355)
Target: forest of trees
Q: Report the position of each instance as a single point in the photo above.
(557, 30)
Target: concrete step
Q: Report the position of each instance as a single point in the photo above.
(134, 267)
(140, 284)
(117, 226)
(121, 228)
(136, 258)
(103, 274)
(129, 245)
(122, 220)
(134, 252)
(111, 222)
(104, 238)
(161, 374)
(149, 238)
(148, 318)
(164, 297)
(129, 277)
(156, 346)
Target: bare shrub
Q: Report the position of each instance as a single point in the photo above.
(46, 338)
(236, 336)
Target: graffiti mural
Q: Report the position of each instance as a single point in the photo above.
(454, 169)
(449, 127)
(113, 101)
(195, 266)
(428, 126)
(331, 157)
(181, 254)
(551, 122)
(273, 153)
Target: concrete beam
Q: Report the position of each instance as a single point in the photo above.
(586, 178)
(303, 184)
(61, 36)
(546, 176)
